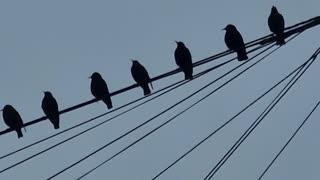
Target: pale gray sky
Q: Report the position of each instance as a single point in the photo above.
(56, 45)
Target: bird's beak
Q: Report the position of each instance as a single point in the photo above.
(223, 29)
(43, 91)
(131, 60)
(176, 42)
(89, 77)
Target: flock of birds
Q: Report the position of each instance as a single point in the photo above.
(183, 58)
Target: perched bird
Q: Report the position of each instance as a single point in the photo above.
(12, 119)
(234, 41)
(184, 59)
(99, 89)
(276, 25)
(50, 108)
(141, 76)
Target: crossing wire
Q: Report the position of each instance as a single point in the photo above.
(151, 119)
(297, 28)
(258, 120)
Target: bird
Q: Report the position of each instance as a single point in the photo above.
(12, 119)
(234, 41)
(99, 89)
(141, 76)
(183, 59)
(276, 25)
(50, 108)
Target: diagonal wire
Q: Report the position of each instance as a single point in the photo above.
(171, 119)
(151, 119)
(287, 143)
(258, 120)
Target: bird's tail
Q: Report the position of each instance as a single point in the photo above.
(242, 55)
(19, 132)
(280, 39)
(188, 73)
(56, 126)
(146, 90)
(108, 102)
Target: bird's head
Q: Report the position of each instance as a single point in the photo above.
(179, 43)
(274, 9)
(95, 75)
(230, 27)
(134, 61)
(47, 93)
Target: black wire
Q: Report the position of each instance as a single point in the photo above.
(266, 39)
(171, 119)
(227, 122)
(287, 143)
(149, 120)
(76, 135)
(257, 121)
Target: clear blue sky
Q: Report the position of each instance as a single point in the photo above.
(56, 45)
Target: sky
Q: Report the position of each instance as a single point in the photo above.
(56, 45)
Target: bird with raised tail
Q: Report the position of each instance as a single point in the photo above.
(276, 25)
(50, 108)
(141, 76)
(99, 89)
(234, 41)
(12, 119)
(184, 59)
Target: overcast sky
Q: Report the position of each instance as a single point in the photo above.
(57, 45)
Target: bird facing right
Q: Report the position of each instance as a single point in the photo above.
(50, 108)
(276, 25)
(234, 41)
(141, 76)
(99, 89)
(183, 59)
(12, 119)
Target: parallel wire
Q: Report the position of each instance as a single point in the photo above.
(287, 143)
(154, 117)
(173, 118)
(178, 84)
(297, 28)
(259, 120)
(227, 122)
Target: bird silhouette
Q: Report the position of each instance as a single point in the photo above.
(50, 108)
(234, 41)
(183, 59)
(12, 119)
(141, 76)
(99, 89)
(276, 25)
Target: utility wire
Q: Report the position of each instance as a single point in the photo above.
(171, 119)
(259, 119)
(151, 119)
(300, 27)
(227, 122)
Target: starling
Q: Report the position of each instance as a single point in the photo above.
(276, 25)
(184, 59)
(234, 41)
(50, 108)
(12, 119)
(141, 76)
(99, 89)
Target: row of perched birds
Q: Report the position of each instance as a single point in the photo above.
(183, 58)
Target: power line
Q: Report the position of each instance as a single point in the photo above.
(178, 84)
(287, 143)
(149, 120)
(258, 120)
(300, 27)
(171, 119)
(227, 122)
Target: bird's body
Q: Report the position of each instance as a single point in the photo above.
(276, 25)
(234, 41)
(50, 108)
(184, 59)
(141, 76)
(12, 119)
(99, 89)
